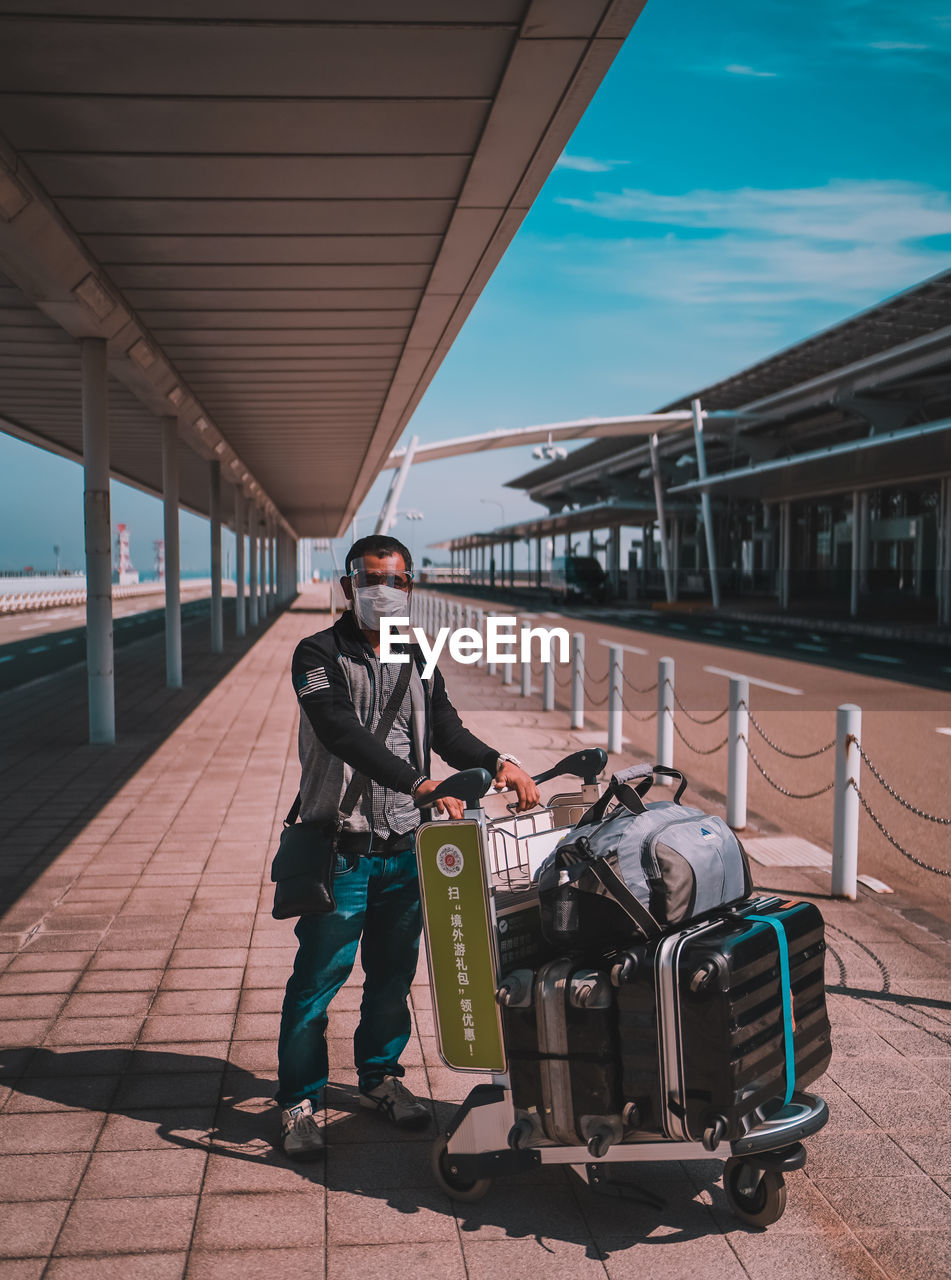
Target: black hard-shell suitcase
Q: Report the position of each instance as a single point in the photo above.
(560, 1026)
(701, 1022)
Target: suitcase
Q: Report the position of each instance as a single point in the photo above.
(560, 1027)
(701, 1022)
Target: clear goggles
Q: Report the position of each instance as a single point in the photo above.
(371, 578)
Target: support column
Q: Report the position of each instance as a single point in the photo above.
(864, 541)
(214, 515)
(944, 553)
(538, 563)
(614, 560)
(98, 538)
(661, 522)
(240, 520)
(705, 504)
(856, 554)
(173, 603)
(273, 602)
(252, 565)
(785, 540)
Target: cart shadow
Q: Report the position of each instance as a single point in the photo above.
(203, 1103)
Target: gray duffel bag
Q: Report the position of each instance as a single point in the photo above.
(638, 869)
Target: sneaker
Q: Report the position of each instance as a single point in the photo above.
(393, 1100)
(300, 1133)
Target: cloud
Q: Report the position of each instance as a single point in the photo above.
(586, 164)
(737, 69)
(846, 243)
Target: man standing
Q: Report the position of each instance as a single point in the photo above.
(344, 691)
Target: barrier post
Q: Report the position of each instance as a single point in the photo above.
(548, 685)
(737, 752)
(665, 712)
(845, 819)
(577, 680)
(508, 668)
(615, 697)
(478, 621)
(526, 670)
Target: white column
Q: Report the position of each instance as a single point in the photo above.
(737, 752)
(240, 520)
(615, 699)
(214, 515)
(252, 565)
(577, 680)
(665, 711)
(274, 593)
(98, 536)
(173, 605)
(614, 559)
(661, 522)
(705, 504)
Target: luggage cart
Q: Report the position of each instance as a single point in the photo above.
(467, 867)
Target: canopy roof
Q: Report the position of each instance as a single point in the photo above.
(279, 219)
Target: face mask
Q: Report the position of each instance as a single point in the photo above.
(370, 604)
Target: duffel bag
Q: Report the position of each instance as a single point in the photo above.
(638, 869)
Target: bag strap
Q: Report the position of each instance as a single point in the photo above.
(358, 780)
(618, 890)
(785, 984)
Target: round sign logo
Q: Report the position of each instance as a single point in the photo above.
(449, 860)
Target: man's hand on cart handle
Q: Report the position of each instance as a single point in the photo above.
(449, 804)
(512, 777)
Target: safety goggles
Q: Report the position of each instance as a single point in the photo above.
(369, 578)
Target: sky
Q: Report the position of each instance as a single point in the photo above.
(746, 175)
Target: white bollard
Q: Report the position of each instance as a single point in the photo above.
(577, 680)
(737, 752)
(845, 820)
(665, 712)
(615, 699)
(479, 623)
(548, 685)
(526, 664)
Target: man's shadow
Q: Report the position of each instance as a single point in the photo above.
(204, 1103)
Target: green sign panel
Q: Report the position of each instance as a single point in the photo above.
(461, 952)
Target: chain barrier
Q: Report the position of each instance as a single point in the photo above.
(637, 715)
(562, 684)
(919, 813)
(790, 755)
(596, 702)
(926, 866)
(700, 751)
(588, 676)
(696, 719)
(791, 795)
(649, 688)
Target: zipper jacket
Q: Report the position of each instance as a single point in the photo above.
(334, 675)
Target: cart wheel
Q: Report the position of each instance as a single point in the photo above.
(762, 1205)
(457, 1187)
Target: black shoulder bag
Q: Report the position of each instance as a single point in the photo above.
(303, 867)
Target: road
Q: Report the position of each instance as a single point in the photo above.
(40, 642)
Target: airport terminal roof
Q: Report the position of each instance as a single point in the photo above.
(278, 219)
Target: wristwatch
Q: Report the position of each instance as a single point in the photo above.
(511, 759)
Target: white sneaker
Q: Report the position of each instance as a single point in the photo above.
(393, 1100)
(301, 1136)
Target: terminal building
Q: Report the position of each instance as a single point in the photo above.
(817, 481)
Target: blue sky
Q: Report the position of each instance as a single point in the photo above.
(747, 174)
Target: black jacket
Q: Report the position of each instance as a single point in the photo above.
(334, 675)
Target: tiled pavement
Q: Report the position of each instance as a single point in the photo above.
(140, 981)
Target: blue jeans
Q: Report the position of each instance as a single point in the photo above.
(378, 900)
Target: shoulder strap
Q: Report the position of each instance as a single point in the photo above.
(386, 721)
(623, 896)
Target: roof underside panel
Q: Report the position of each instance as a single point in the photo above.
(298, 205)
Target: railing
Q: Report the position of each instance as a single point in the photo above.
(581, 688)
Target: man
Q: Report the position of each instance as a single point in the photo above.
(343, 690)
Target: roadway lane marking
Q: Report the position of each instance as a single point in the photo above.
(762, 684)
(39, 648)
(628, 648)
(881, 657)
(947, 731)
(35, 626)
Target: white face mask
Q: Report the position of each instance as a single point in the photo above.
(370, 604)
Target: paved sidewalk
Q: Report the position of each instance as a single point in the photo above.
(140, 981)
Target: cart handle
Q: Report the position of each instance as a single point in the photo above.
(469, 786)
(585, 765)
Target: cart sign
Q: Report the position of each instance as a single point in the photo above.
(459, 937)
